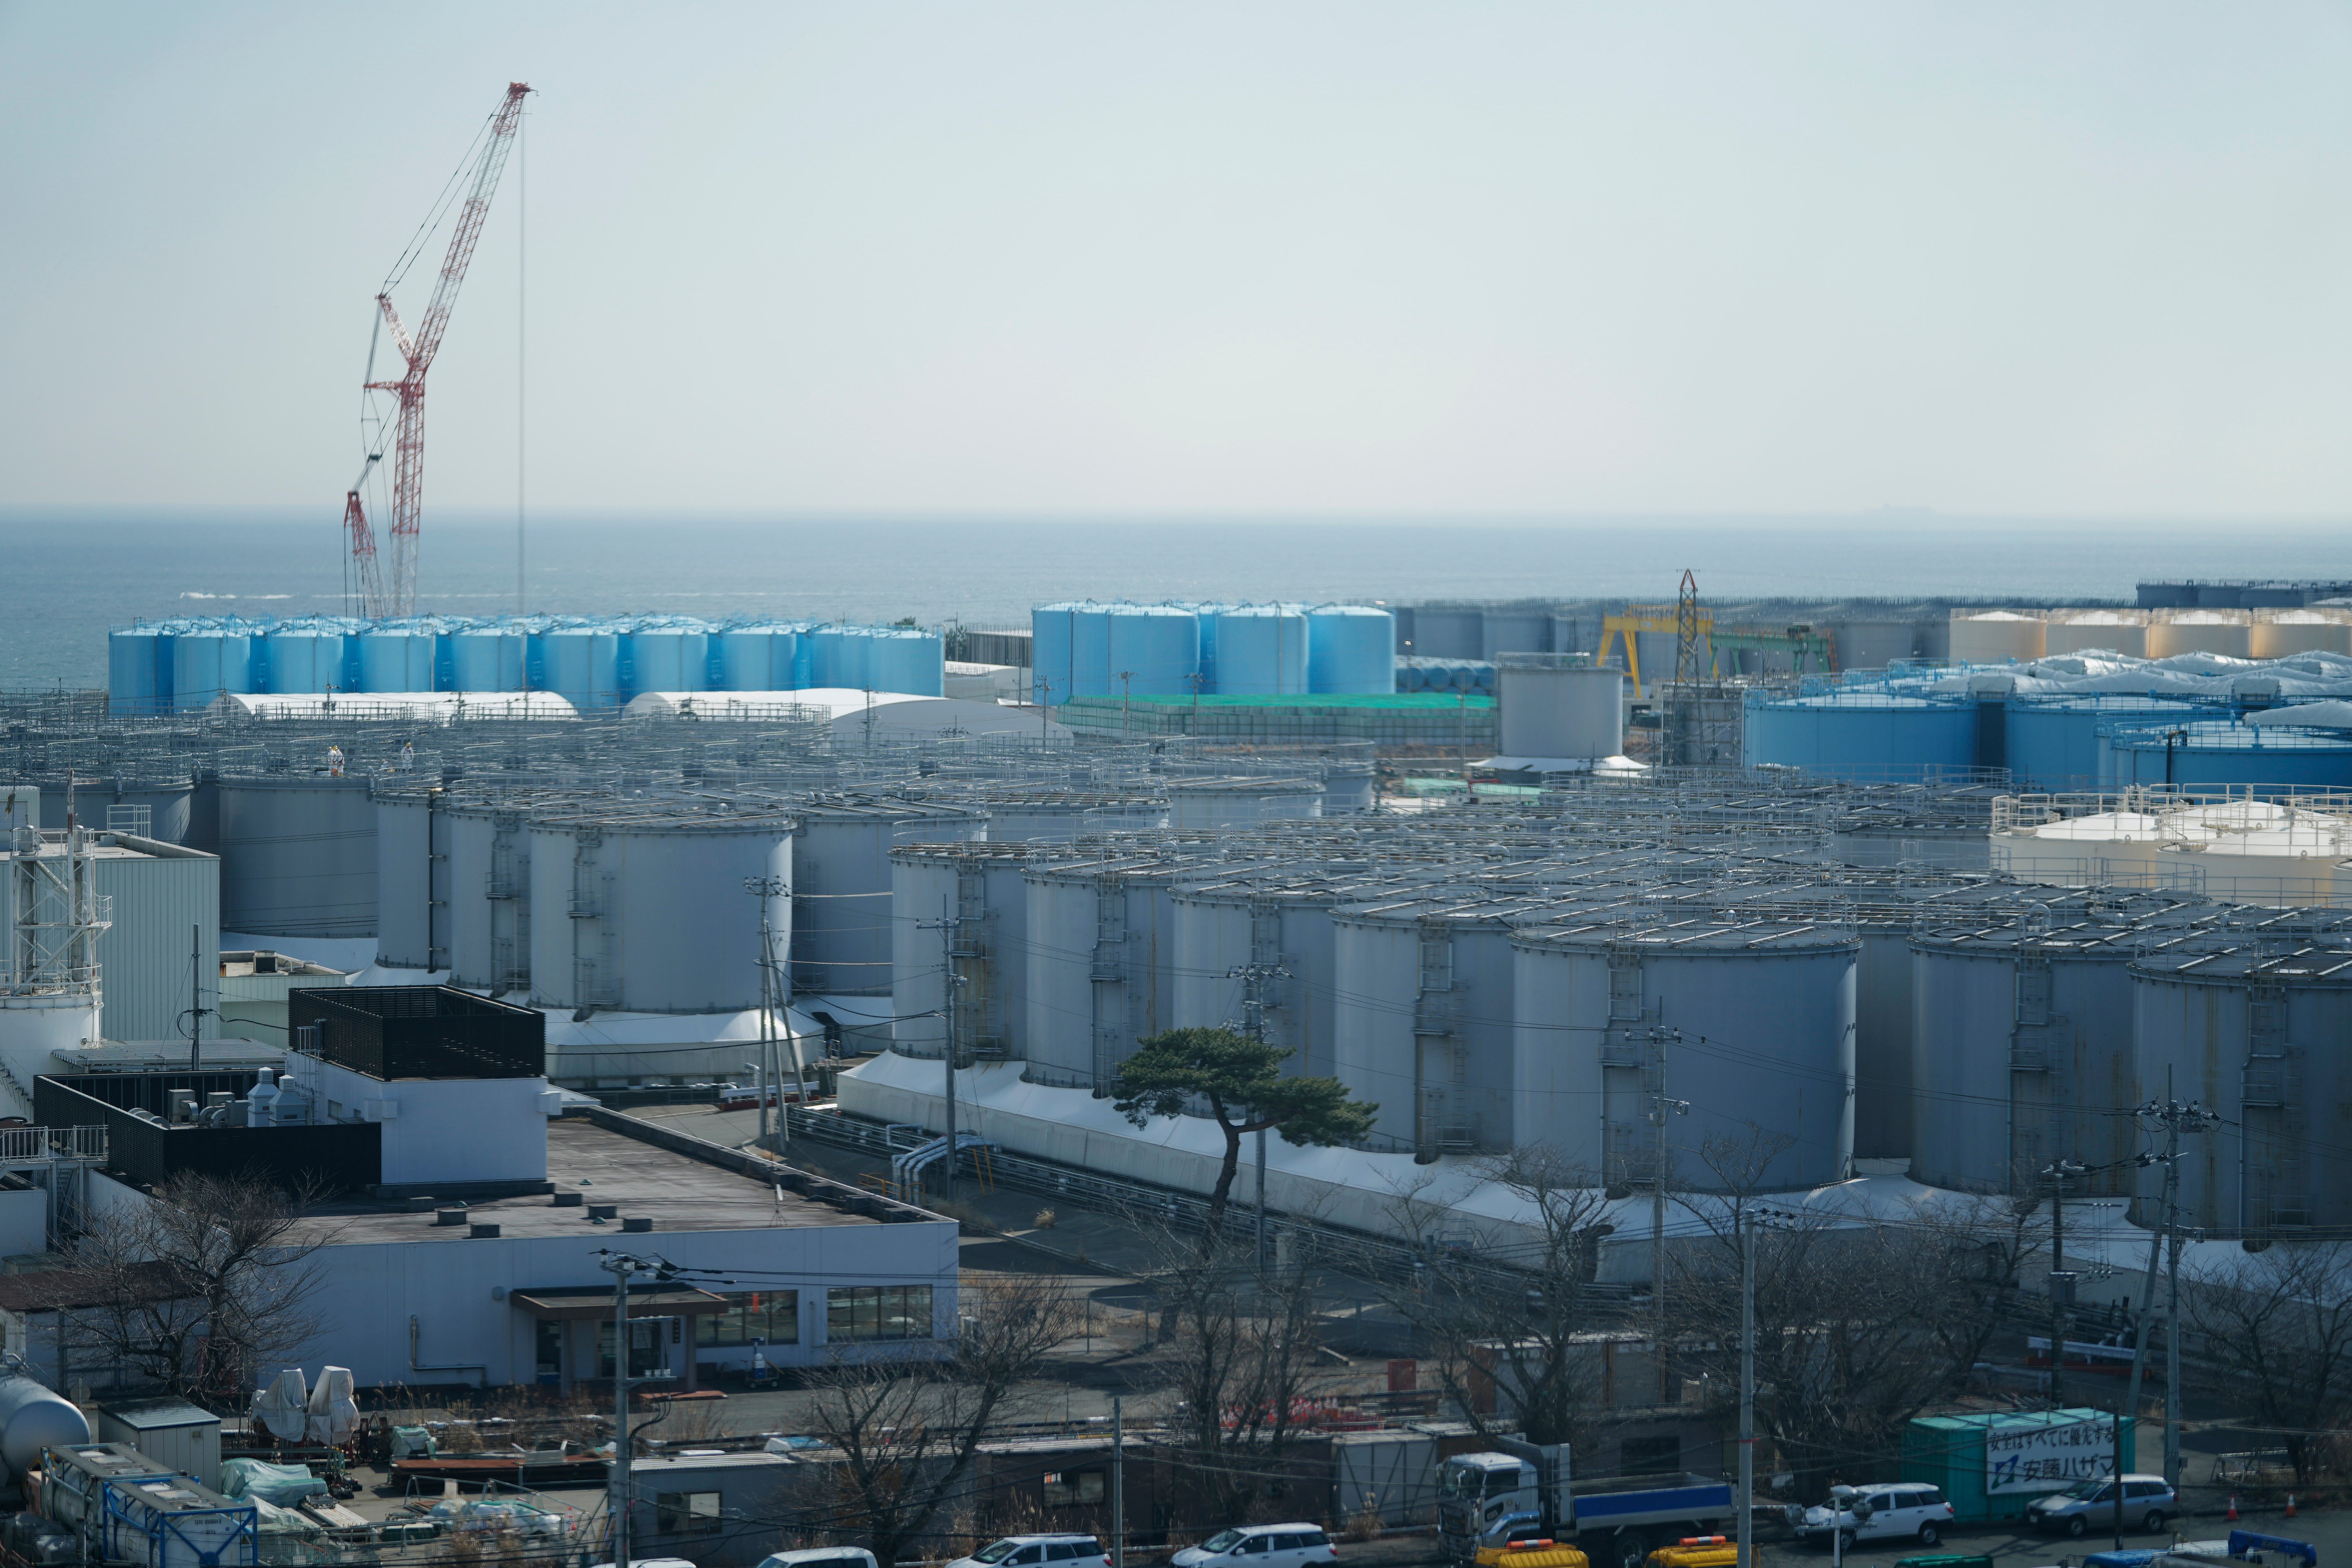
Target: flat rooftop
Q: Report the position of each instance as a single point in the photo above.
(675, 1191)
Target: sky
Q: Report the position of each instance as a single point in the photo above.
(2088, 261)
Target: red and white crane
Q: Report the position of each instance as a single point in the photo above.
(387, 591)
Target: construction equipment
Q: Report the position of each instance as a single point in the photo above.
(1700, 644)
(387, 591)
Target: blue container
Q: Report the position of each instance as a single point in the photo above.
(207, 661)
(1049, 654)
(841, 657)
(1351, 651)
(581, 664)
(139, 670)
(1154, 650)
(2213, 754)
(489, 658)
(905, 659)
(1864, 735)
(1262, 651)
(760, 658)
(396, 660)
(2052, 743)
(665, 657)
(302, 659)
(1090, 665)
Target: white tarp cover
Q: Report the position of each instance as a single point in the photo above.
(334, 1416)
(283, 1406)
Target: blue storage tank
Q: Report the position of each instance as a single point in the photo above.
(396, 657)
(759, 658)
(1154, 650)
(297, 658)
(1049, 653)
(842, 657)
(909, 660)
(1864, 735)
(666, 656)
(2052, 743)
(207, 661)
(1350, 650)
(581, 664)
(488, 658)
(1262, 650)
(2219, 754)
(1090, 665)
(139, 669)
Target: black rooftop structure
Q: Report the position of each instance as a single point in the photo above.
(417, 1031)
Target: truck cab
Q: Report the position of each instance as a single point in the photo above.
(1522, 1493)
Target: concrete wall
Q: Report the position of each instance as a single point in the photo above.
(439, 1130)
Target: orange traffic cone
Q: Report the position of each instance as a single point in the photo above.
(2233, 1508)
(2290, 1505)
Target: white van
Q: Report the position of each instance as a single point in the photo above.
(819, 1557)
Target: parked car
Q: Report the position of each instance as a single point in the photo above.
(1037, 1551)
(818, 1557)
(2091, 1505)
(1888, 1511)
(1261, 1546)
(1943, 1560)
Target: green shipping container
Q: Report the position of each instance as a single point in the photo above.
(1992, 1464)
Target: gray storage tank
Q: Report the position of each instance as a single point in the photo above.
(1102, 956)
(984, 889)
(489, 895)
(297, 856)
(412, 878)
(1211, 804)
(841, 911)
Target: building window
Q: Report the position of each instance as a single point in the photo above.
(773, 1316)
(650, 1340)
(878, 1312)
(685, 1513)
(1073, 1489)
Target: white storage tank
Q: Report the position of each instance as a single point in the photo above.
(984, 888)
(1559, 705)
(841, 911)
(297, 856)
(1751, 1022)
(489, 896)
(1021, 815)
(1102, 956)
(2022, 1047)
(2252, 1023)
(659, 919)
(411, 879)
(1208, 804)
(33, 1417)
(1996, 636)
(1349, 786)
(2086, 631)
(2229, 633)
(2281, 634)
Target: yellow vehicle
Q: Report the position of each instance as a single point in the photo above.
(1533, 1554)
(1697, 1551)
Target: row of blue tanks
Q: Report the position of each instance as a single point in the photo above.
(178, 665)
(1090, 648)
(1873, 730)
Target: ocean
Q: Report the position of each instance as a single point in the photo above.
(67, 576)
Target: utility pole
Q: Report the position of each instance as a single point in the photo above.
(1117, 1483)
(2062, 1282)
(1661, 1107)
(2176, 1119)
(946, 925)
(1747, 1517)
(1197, 681)
(1127, 701)
(766, 889)
(620, 1265)
(196, 1008)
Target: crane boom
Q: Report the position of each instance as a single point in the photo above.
(392, 591)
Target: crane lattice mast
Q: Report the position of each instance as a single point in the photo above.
(390, 590)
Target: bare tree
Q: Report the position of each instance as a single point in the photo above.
(1512, 1316)
(207, 1281)
(2277, 1328)
(908, 1429)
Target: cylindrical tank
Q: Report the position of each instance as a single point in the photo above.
(1026, 816)
(411, 858)
(1262, 650)
(490, 897)
(1101, 957)
(667, 657)
(1511, 628)
(2261, 759)
(983, 886)
(1352, 649)
(2022, 1049)
(902, 659)
(2052, 742)
(1872, 645)
(1754, 1027)
(297, 856)
(2227, 633)
(660, 882)
(1210, 804)
(169, 802)
(1154, 650)
(840, 656)
(33, 1417)
(33, 1028)
(302, 659)
(1449, 631)
(2252, 1025)
(1049, 654)
(841, 866)
(1204, 620)
(1090, 664)
(489, 658)
(1276, 920)
(2114, 631)
(1996, 636)
(1865, 735)
(207, 661)
(396, 660)
(581, 665)
(1558, 705)
(2281, 634)
(139, 669)
(1349, 787)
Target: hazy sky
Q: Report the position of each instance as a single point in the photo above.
(2079, 259)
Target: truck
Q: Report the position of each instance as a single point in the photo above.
(1525, 1492)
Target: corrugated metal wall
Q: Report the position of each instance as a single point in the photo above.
(145, 957)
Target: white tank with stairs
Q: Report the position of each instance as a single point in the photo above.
(50, 919)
